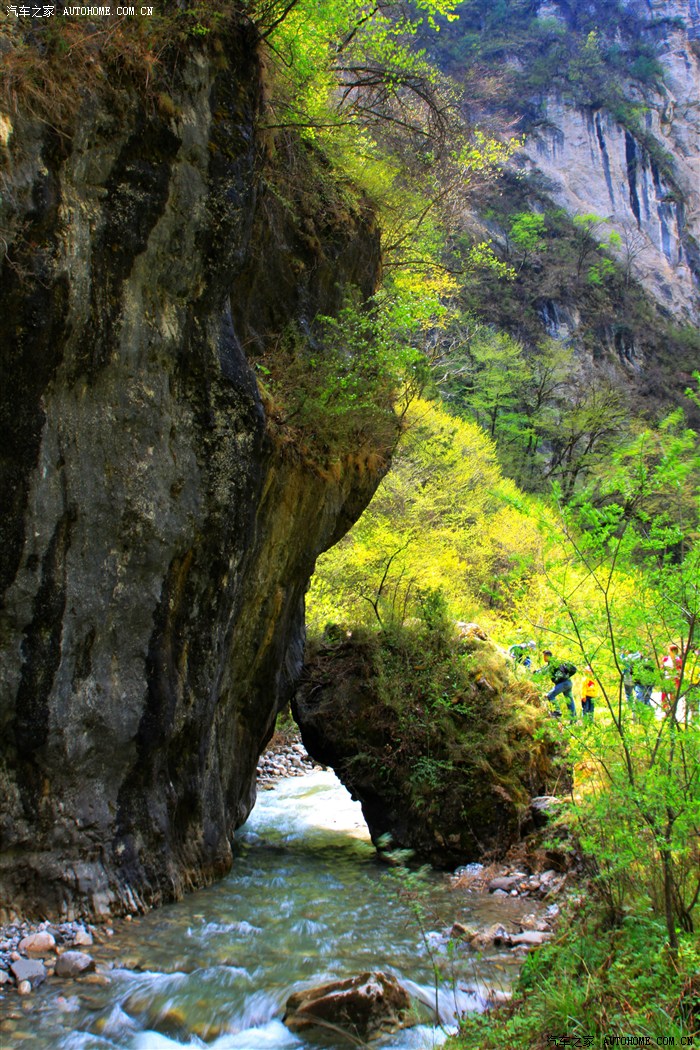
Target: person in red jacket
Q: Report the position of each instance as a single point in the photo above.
(672, 664)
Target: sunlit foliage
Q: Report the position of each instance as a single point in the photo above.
(443, 519)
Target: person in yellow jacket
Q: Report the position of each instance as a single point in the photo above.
(589, 690)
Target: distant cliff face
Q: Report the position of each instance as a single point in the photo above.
(686, 11)
(606, 99)
(156, 539)
(596, 165)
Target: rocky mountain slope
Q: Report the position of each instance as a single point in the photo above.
(605, 98)
(647, 185)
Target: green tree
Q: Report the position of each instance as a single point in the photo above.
(527, 233)
(499, 369)
(591, 426)
(544, 401)
(587, 238)
(442, 519)
(629, 577)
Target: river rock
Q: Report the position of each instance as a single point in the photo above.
(460, 930)
(498, 997)
(100, 979)
(493, 935)
(4, 977)
(40, 943)
(83, 937)
(74, 964)
(29, 970)
(531, 938)
(503, 882)
(169, 1020)
(366, 1006)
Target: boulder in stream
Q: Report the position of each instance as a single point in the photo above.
(367, 1005)
(74, 964)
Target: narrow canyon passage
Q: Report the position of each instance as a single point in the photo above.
(307, 901)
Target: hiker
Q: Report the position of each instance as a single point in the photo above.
(520, 653)
(589, 690)
(643, 678)
(561, 673)
(628, 660)
(672, 664)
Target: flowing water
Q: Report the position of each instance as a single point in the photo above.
(306, 901)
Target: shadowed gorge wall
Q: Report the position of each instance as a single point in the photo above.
(157, 538)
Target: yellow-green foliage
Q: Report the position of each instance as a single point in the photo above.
(443, 518)
(352, 81)
(459, 695)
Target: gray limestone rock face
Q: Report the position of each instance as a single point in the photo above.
(595, 165)
(157, 537)
(683, 11)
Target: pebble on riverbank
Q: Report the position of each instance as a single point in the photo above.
(510, 880)
(32, 952)
(542, 885)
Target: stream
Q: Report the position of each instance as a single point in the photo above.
(306, 901)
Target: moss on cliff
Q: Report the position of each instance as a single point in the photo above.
(53, 65)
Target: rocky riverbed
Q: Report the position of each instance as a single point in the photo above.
(285, 758)
(30, 953)
(33, 953)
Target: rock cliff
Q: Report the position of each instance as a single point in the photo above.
(605, 101)
(647, 186)
(157, 535)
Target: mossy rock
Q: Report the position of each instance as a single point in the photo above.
(436, 736)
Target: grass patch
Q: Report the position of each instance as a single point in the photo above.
(595, 981)
(49, 68)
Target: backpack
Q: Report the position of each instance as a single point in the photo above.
(566, 670)
(562, 671)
